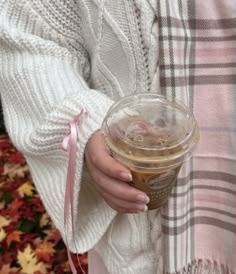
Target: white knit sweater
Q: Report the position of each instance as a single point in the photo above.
(58, 57)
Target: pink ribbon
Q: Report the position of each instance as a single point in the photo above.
(69, 144)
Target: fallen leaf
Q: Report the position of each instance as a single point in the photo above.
(2, 235)
(28, 261)
(4, 145)
(14, 237)
(66, 267)
(2, 205)
(17, 158)
(15, 207)
(4, 222)
(6, 269)
(15, 170)
(54, 236)
(45, 251)
(44, 220)
(26, 189)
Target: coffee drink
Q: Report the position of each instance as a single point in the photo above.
(152, 137)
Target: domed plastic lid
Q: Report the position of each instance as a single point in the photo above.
(150, 125)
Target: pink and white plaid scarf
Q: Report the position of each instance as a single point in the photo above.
(198, 65)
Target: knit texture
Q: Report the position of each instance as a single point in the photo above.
(57, 57)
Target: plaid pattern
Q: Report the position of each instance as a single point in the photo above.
(198, 65)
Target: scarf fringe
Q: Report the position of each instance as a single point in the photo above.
(205, 267)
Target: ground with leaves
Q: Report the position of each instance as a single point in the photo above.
(29, 243)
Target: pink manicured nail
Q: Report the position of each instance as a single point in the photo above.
(142, 208)
(143, 198)
(126, 176)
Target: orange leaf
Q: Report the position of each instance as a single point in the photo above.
(45, 251)
(14, 237)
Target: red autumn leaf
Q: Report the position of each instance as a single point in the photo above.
(17, 158)
(8, 257)
(12, 225)
(4, 145)
(45, 251)
(24, 210)
(29, 237)
(2, 204)
(14, 236)
(10, 185)
(54, 236)
(37, 204)
(14, 207)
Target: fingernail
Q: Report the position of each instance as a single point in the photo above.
(142, 208)
(143, 199)
(126, 176)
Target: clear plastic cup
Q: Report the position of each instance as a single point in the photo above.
(152, 136)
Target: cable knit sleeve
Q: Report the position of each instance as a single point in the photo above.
(43, 72)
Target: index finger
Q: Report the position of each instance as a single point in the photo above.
(110, 166)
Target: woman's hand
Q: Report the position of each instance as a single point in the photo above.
(110, 178)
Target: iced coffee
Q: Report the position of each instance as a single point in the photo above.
(152, 136)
